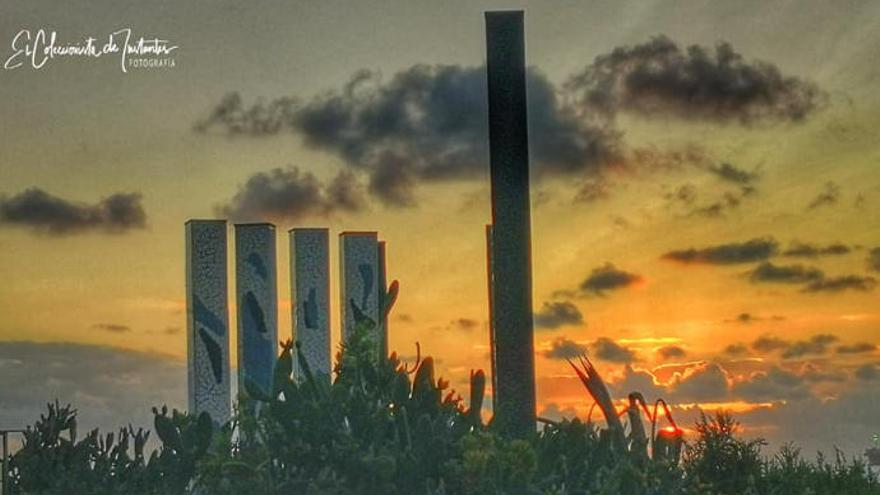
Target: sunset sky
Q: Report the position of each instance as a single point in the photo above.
(705, 190)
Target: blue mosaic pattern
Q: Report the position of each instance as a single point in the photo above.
(310, 293)
(257, 295)
(207, 319)
(359, 290)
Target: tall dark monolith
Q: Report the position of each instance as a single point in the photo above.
(513, 331)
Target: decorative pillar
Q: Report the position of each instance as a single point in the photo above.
(310, 296)
(256, 291)
(207, 319)
(359, 280)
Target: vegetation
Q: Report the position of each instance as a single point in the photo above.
(384, 428)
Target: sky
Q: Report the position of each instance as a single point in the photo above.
(704, 194)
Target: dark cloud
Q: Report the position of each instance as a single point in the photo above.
(42, 212)
(607, 278)
(768, 343)
(757, 249)
(593, 190)
(868, 372)
(857, 348)
(289, 194)
(112, 327)
(874, 259)
(773, 385)
(609, 350)
(466, 324)
(731, 173)
(556, 314)
(110, 387)
(736, 350)
(430, 123)
(842, 283)
(747, 318)
(801, 250)
(563, 348)
(789, 274)
(706, 382)
(830, 196)
(697, 83)
(232, 116)
(671, 352)
(816, 345)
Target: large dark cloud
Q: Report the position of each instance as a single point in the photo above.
(757, 249)
(773, 385)
(768, 343)
(424, 123)
(661, 78)
(607, 278)
(873, 259)
(110, 387)
(563, 348)
(786, 274)
(290, 194)
(706, 382)
(40, 211)
(815, 345)
(671, 352)
(857, 348)
(842, 283)
(609, 350)
(802, 250)
(556, 314)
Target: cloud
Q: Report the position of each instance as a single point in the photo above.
(842, 283)
(110, 387)
(660, 78)
(747, 318)
(609, 350)
(773, 385)
(42, 212)
(563, 348)
(790, 274)
(429, 123)
(556, 314)
(800, 250)
(671, 352)
(767, 343)
(816, 345)
(466, 324)
(706, 382)
(868, 372)
(731, 173)
(830, 196)
(874, 259)
(757, 249)
(290, 194)
(112, 327)
(736, 350)
(857, 348)
(607, 278)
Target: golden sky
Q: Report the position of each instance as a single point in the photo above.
(779, 148)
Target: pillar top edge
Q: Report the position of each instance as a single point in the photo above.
(359, 233)
(254, 224)
(204, 220)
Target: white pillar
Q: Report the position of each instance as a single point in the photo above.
(207, 319)
(310, 297)
(360, 278)
(256, 296)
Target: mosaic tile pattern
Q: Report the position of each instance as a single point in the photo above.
(256, 291)
(359, 276)
(310, 293)
(207, 319)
